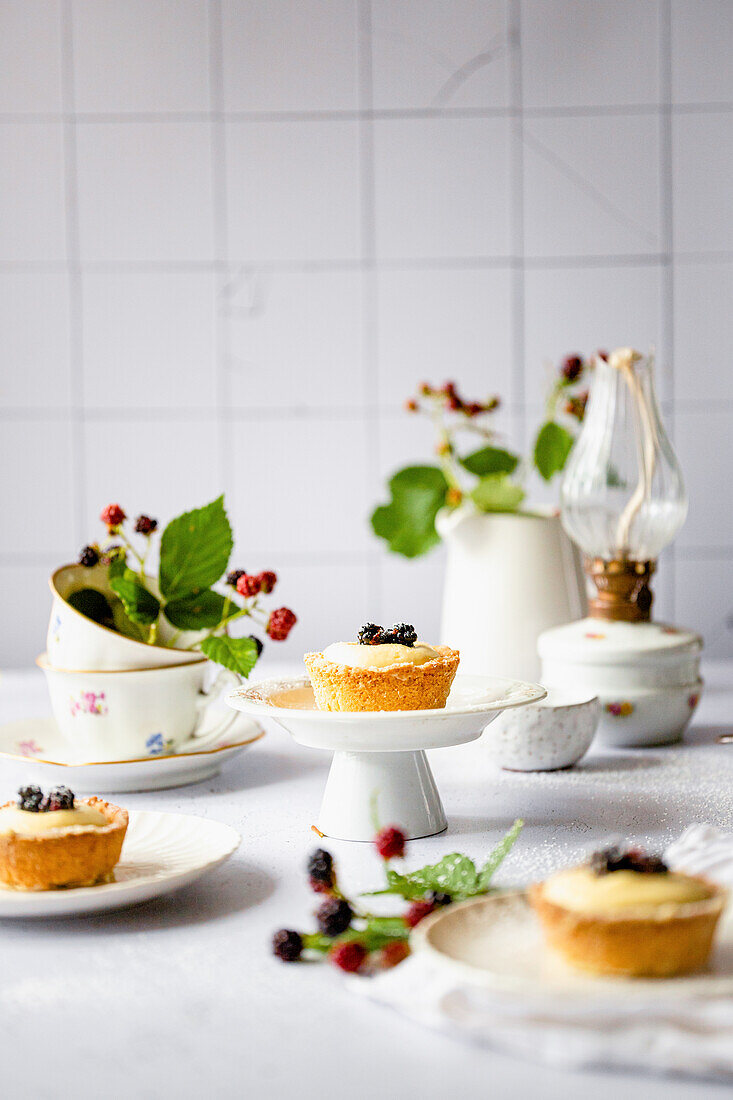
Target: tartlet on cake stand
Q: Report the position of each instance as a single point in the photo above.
(381, 754)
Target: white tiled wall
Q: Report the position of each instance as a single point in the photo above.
(235, 233)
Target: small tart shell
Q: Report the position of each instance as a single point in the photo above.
(657, 942)
(74, 855)
(395, 687)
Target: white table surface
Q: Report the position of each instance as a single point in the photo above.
(182, 998)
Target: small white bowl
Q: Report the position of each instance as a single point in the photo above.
(553, 733)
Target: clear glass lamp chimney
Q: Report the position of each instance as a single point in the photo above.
(623, 497)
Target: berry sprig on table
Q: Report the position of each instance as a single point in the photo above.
(194, 556)
(356, 940)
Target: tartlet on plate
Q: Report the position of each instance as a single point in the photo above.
(384, 670)
(53, 841)
(626, 913)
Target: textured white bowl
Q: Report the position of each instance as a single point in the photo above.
(544, 736)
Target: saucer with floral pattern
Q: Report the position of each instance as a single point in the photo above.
(33, 750)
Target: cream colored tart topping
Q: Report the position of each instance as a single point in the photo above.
(354, 655)
(27, 823)
(582, 890)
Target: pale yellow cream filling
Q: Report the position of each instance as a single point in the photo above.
(26, 823)
(354, 655)
(583, 891)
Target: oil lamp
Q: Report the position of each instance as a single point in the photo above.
(622, 501)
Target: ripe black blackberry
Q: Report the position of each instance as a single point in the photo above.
(320, 868)
(287, 945)
(402, 634)
(258, 643)
(234, 576)
(58, 798)
(89, 557)
(370, 634)
(334, 916)
(30, 798)
(631, 859)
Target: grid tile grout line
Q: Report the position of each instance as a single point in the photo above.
(514, 36)
(73, 270)
(667, 231)
(370, 299)
(386, 113)
(221, 231)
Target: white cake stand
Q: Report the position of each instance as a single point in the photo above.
(381, 754)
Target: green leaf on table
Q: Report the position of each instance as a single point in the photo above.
(499, 854)
(237, 654)
(551, 449)
(200, 612)
(408, 521)
(490, 460)
(497, 493)
(140, 605)
(194, 550)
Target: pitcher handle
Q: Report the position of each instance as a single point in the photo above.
(203, 734)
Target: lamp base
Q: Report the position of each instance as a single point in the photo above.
(622, 589)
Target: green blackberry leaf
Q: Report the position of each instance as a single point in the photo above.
(496, 493)
(551, 449)
(200, 612)
(499, 854)
(194, 551)
(490, 460)
(140, 605)
(408, 521)
(237, 654)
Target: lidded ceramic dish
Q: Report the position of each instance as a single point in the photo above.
(646, 675)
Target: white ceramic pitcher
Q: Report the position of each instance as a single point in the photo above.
(509, 577)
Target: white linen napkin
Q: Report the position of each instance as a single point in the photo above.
(691, 1034)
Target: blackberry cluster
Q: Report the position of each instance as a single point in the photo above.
(30, 798)
(400, 633)
(631, 859)
(89, 556)
(334, 916)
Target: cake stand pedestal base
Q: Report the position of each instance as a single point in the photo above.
(400, 785)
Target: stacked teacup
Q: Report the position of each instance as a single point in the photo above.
(115, 698)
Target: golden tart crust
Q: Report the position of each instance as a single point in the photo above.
(78, 855)
(657, 942)
(394, 687)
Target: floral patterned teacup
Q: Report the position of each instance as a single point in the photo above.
(130, 715)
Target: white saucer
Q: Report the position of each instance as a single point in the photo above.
(496, 942)
(32, 750)
(161, 853)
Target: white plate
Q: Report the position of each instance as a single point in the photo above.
(161, 853)
(496, 942)
(33, 750)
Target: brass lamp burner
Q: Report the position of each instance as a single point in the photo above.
(622, 589)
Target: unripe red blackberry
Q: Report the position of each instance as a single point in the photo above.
(390, 842)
